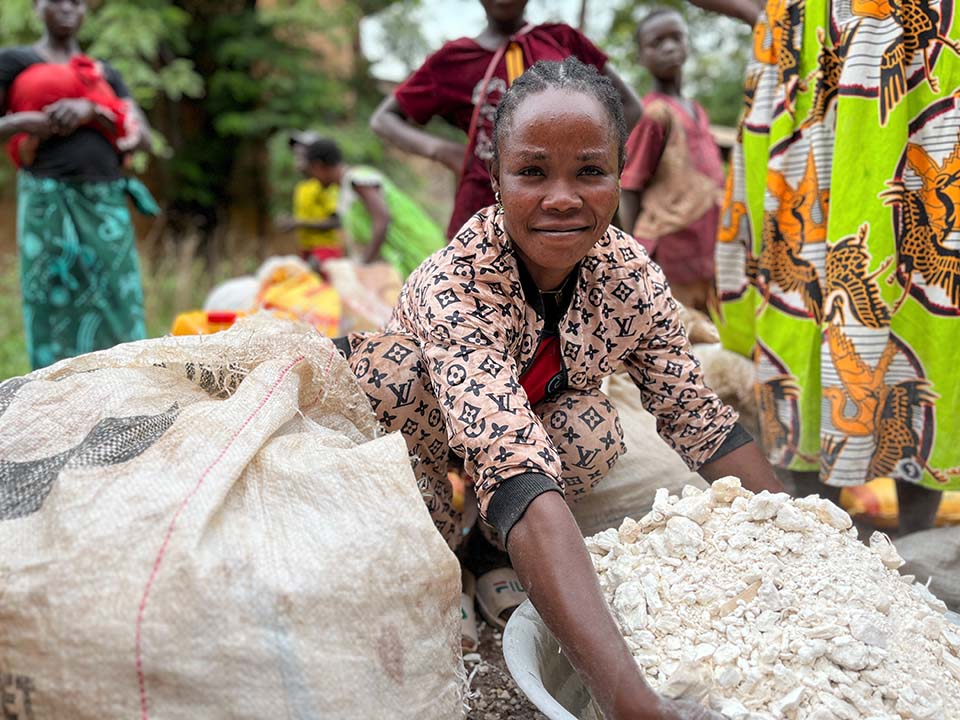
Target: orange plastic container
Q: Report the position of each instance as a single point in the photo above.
(204, 322)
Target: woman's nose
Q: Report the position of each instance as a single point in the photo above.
(669, 45)
(561, 198)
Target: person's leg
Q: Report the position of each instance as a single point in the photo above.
(391, 371)
(585, 429)
(918, 507)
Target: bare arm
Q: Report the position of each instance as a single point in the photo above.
(286, 224)
(548, 553)
(749, 464)
(630, 202)
(632, 107)
(33, 123)
(143, 141)
(376, 204)
(390, 124)
(746, 10)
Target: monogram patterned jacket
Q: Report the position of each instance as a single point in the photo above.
(478, 332)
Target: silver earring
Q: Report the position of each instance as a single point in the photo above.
(496, 196)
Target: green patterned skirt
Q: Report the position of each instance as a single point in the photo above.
(79, 272)
(838, 258)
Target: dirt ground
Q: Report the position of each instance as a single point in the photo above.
(494, 695)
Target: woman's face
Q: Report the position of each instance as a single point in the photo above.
(559, 180)
(62, 18)
(504, 11)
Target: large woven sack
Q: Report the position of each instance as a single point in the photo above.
(934, 556)
(212, 527)
(628, 489)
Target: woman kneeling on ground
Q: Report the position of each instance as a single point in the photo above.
(497, 348)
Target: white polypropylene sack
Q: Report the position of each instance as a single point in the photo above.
(210, 527)
(236, 294)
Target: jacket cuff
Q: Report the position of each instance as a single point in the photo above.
(512, 497)
(738, 437)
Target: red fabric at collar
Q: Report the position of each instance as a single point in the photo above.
(545, 366)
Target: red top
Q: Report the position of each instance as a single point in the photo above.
(448, 84)
(686, 255)
(546, 366)
(44, 83)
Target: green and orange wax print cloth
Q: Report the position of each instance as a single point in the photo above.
(838, 256)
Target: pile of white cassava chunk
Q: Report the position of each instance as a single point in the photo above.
(762, 606)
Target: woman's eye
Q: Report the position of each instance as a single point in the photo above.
(592, 170)
(531, 171)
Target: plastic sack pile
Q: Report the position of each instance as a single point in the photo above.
(211, 527)
(765, 607)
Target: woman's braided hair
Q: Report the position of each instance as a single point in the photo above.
(572, 75)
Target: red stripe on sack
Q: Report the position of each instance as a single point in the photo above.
(144, 712)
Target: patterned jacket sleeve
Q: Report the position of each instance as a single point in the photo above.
(463, 327)
(690, 417)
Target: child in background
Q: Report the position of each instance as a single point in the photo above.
(314, 209)
(380, 221)
(672, 183)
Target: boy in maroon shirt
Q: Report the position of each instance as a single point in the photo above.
(471, 72)
(672, 183)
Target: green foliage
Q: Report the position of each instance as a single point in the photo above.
(13, 350)
(18, 22)
(720, 49)
(145, 40)
(402, 35)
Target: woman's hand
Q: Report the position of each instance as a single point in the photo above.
(449, 153)
(639, 703)
(685, 710)
(70, 113)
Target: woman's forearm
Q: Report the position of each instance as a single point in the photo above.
(749, 464)
(145, 136)
(746, 10)
(629, 210)
(378, 236)
(388, 123)
(632, 106)
(549, 556)
(13, 124)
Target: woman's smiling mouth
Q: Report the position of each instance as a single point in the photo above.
(561, 230)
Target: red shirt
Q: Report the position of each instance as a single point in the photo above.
(448, 84)
(686, 255)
